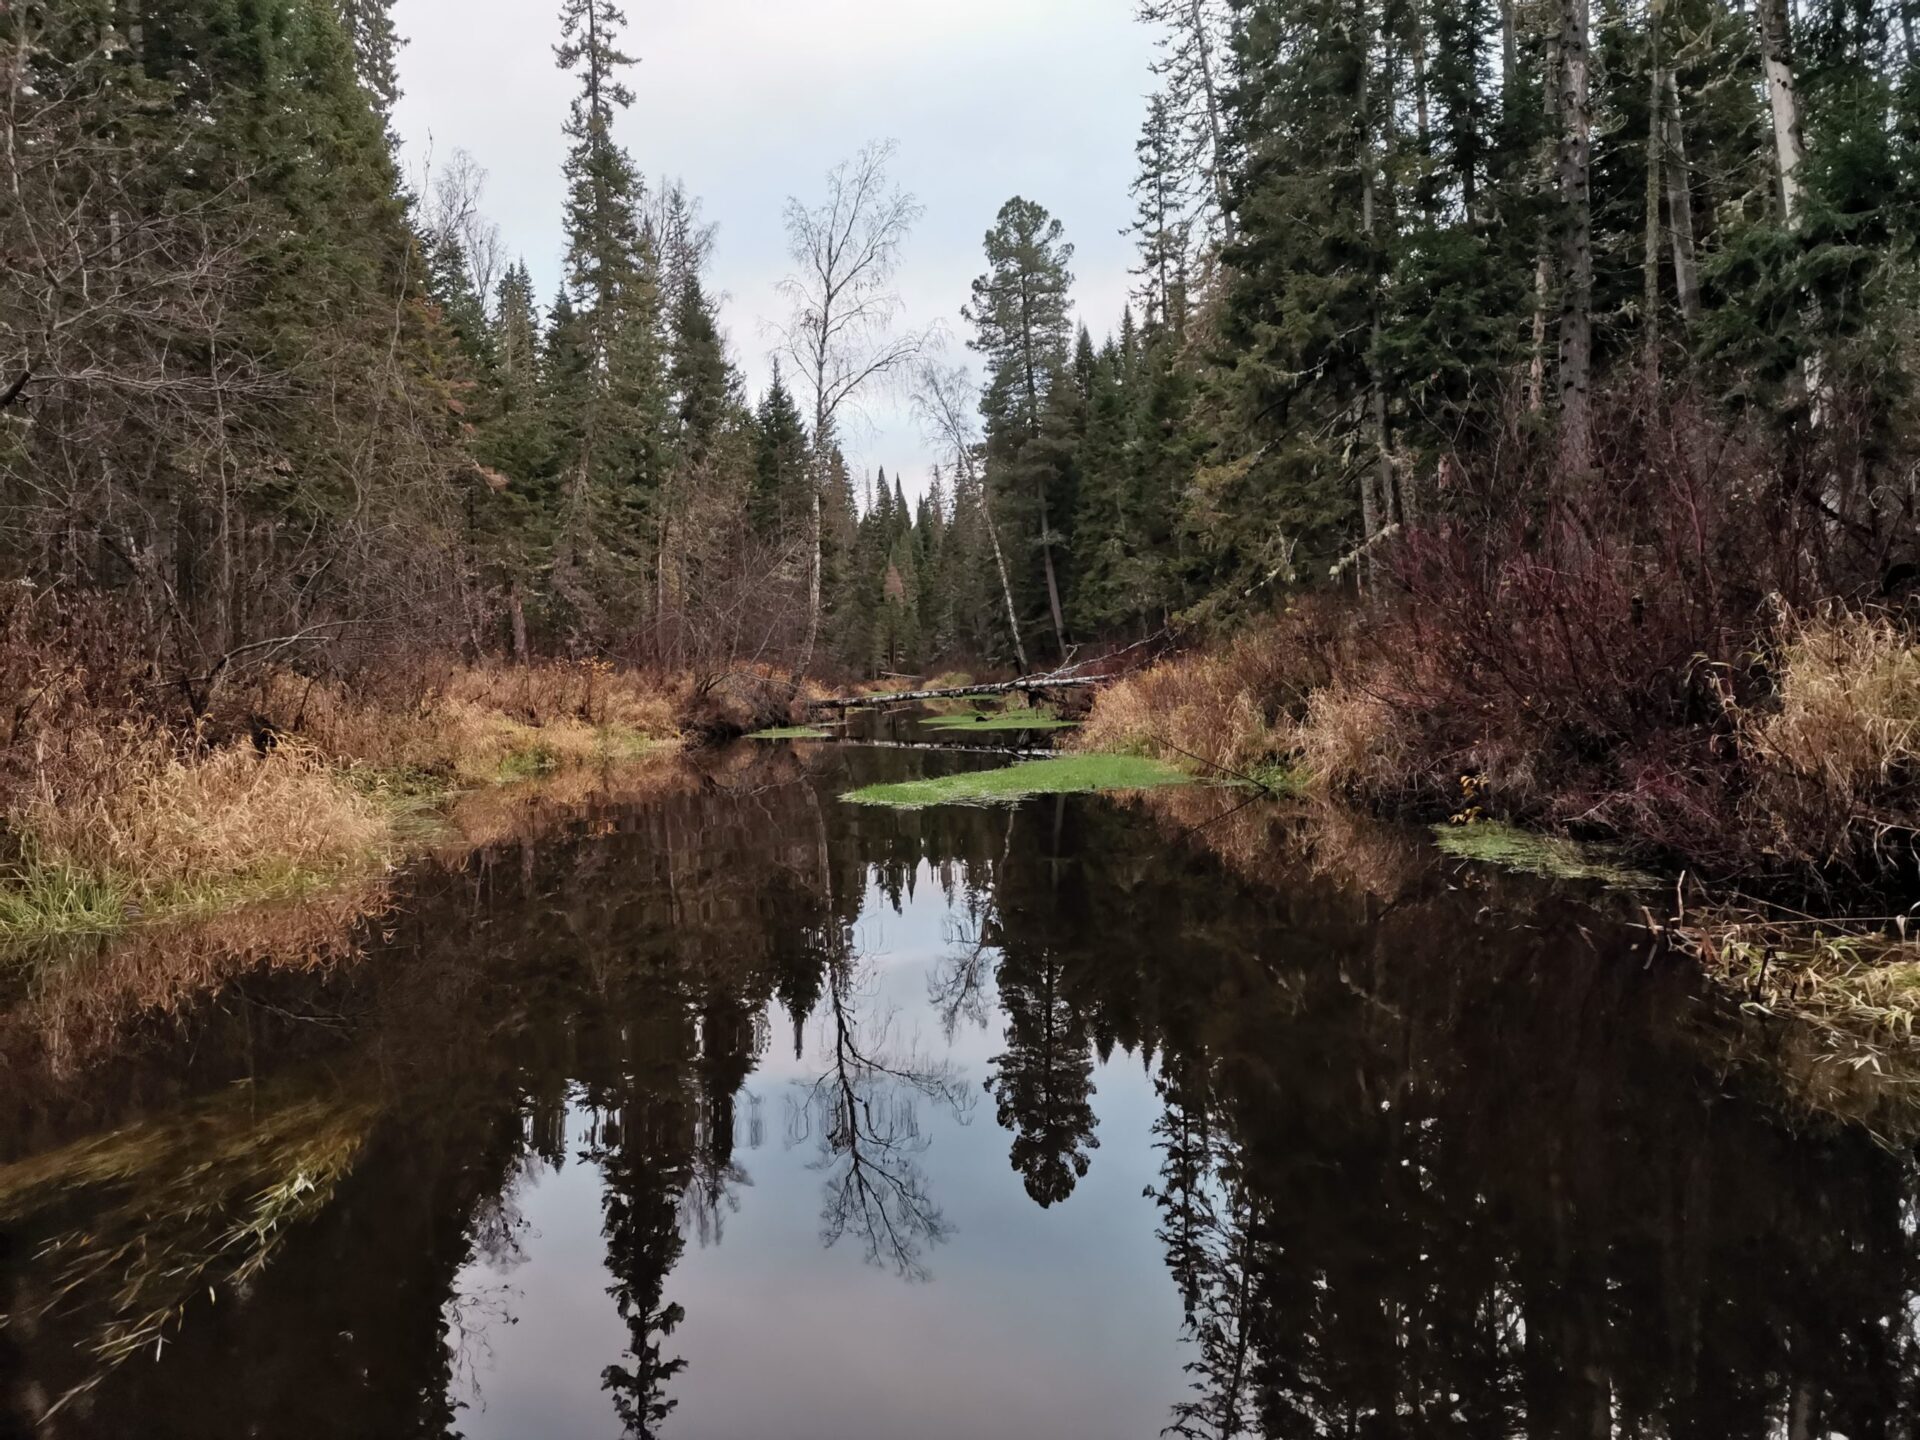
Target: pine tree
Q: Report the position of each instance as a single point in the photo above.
(1160, 222)
(450, 284)
(702, 382)
(1195, 36)
(1298, 309)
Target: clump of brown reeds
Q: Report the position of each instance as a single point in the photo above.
(1234, 709)
(476, 722)
(1835, 756)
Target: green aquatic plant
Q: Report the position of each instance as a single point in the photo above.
(177, 1210)
(1065, 775)
(1494, 843)
(991, 721)
(791, 732)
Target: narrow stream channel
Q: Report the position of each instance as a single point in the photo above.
(736, 1110)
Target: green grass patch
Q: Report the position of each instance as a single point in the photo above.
(1277, 779)
(1554, 858)
(52, 902)
(1066, 775)
(528, 764)
(55, 901)
(618, 742)
(987, 723)
(791, 732)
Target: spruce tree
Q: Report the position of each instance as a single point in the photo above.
(1022, 327)
(780, 467)
(376, 49)
(618, 449)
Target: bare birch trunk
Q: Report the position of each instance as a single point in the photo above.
(1686, 265)
(1576, 239)
(1650, 259)
(1006, 584)
(1197, 17)
(1790, 151)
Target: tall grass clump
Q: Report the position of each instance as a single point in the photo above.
(128, 827)
(472, 723)
(1233, 709)
(1837, 753)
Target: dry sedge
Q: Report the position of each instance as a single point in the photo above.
(118, 824)
(158, 833)
(1835, 759)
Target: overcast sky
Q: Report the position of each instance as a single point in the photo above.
(750, 101)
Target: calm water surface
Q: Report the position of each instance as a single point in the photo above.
(733, 1110)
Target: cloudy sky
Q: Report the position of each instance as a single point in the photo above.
(750, 101)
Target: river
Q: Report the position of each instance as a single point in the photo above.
(723, 1108)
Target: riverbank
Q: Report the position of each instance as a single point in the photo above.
(299, 786)
(1799, 778)
(1772, 786)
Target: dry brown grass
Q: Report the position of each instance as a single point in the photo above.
(173, 822)
(1835, 761)
(1234, 709)
(1354, 740)
(479, 723)
(126, 824)
(113, 818)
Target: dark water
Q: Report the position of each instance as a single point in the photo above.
(738, 1111)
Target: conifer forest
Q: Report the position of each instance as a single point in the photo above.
(1405, 267)
(840, 719)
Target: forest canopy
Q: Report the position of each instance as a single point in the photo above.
(1405, 267)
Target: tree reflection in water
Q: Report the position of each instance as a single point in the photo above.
(863, 1113)
(1426, 1163)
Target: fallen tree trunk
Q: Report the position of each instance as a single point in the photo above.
(1032, 685)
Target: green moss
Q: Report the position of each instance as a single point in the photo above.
(984, 721)
(1496, 844)
(1067, 775)
(791, 732)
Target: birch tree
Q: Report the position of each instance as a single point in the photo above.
(843, 336)
(942, 397)
(1574, 171)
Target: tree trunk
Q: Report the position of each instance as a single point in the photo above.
(1000, 564)
(1576, 239)
(1204, 50)
(1030, 685)
(816, 531)
(1053, 580)
(1543, 260)
(1376, 483)
(1422, 122)
(517, 613)
(1650, 258)
(1790, 151)
(1686, 265)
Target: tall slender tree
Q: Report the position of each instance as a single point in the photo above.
(1021, 317)
(843, 336)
